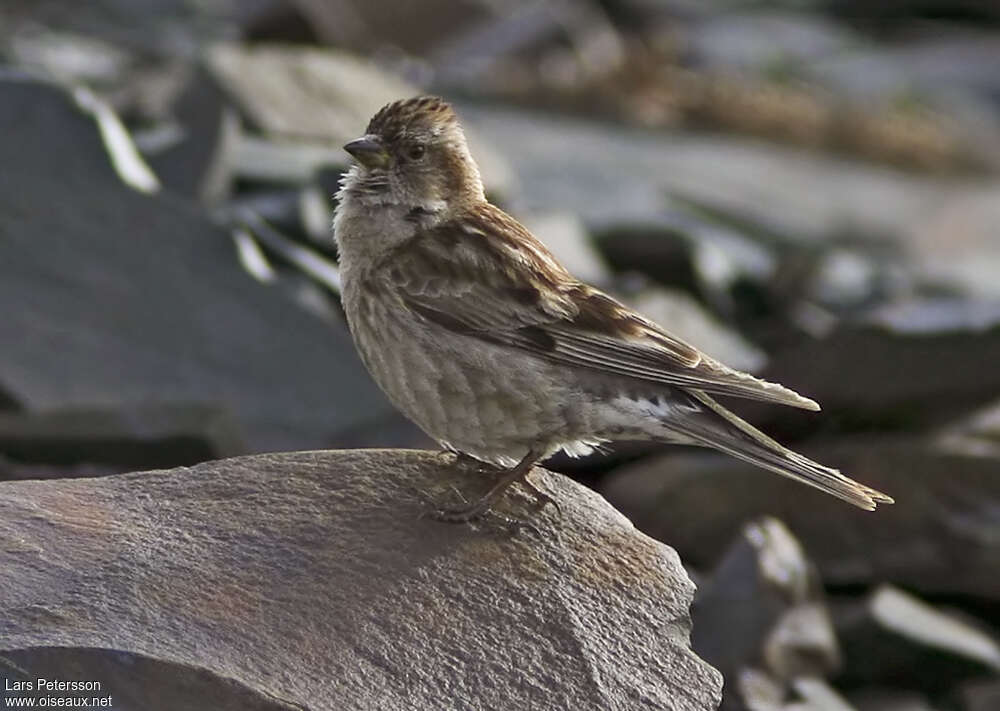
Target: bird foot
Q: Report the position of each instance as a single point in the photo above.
(473, 515)
(541, 497)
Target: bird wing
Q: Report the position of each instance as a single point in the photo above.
(485, 276)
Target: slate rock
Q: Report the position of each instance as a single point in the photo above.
(760, 612)
(309, 99)
(567, 238)
(132, 681)
(979, 694)
(200, 163)
(11, 469)
(114, 298)
(760, 576)
(171, 434)
(895, 638)
(317, 577)
(903, 367)
(939, 537)
(609, 174)
(888, 699)
(687, 319)
(755, 42)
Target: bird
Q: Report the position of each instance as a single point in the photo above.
(478, 334)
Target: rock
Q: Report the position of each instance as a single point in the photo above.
(756, 42)
(803, 644)
(762, 573)
(817, 695)
(11, 469)
(759, 691)
(114, 298)
(477, 43)
(131, 681)
(883, 699)
(939, 537)
(759, 613)
(977, 435)
(157, 27)
(937, 60)
(200, 163)
(312, 101)
(955, 247)
(68, 56)
(373, 25)
(317, 578)
(158, 434)
(282, 161)
(610, 175)
(895, 638)
(568, 239)
(661, 251)
(309, 93)
(680, 249)
(905, 366)
(979, 695)
(687, 319)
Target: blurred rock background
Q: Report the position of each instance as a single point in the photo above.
(807, 189)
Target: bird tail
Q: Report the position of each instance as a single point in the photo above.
(716, 427)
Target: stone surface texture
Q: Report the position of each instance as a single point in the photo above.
(316, 578)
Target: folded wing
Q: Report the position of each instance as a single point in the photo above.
(487, 277)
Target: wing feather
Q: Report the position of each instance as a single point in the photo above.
(485, 276)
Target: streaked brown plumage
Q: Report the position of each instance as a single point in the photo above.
(482, 338)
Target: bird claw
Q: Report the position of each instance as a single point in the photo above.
(542, 498)
(483, 508)
(514, 525)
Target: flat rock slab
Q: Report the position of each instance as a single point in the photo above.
(939, 537)
(113, 298)
(315, 578)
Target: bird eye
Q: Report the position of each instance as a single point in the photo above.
(416, 152)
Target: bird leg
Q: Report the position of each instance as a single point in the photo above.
(478, 508)
(466, 461)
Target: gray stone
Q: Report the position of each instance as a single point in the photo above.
(978, 434)
(610, 175)
(688, 319)
(758, 41)
(759, 618)
(895, 638)
(887, 699)
(112, 297)
(157, 434)
(979, 695)
(945, 57)
(904, 366)
(311, 101)
(566, 236)
(817, 695)
(133, 682)
(200, 163)
(11, 469)
(939, 537)
(758, 578)
(318, 578)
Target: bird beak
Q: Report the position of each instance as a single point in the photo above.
(368, 151)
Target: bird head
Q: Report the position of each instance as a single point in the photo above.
(414, 153)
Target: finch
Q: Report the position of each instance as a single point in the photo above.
(477, 334)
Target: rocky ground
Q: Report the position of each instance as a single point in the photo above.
(809, 191)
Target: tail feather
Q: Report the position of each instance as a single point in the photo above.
(721, 429)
